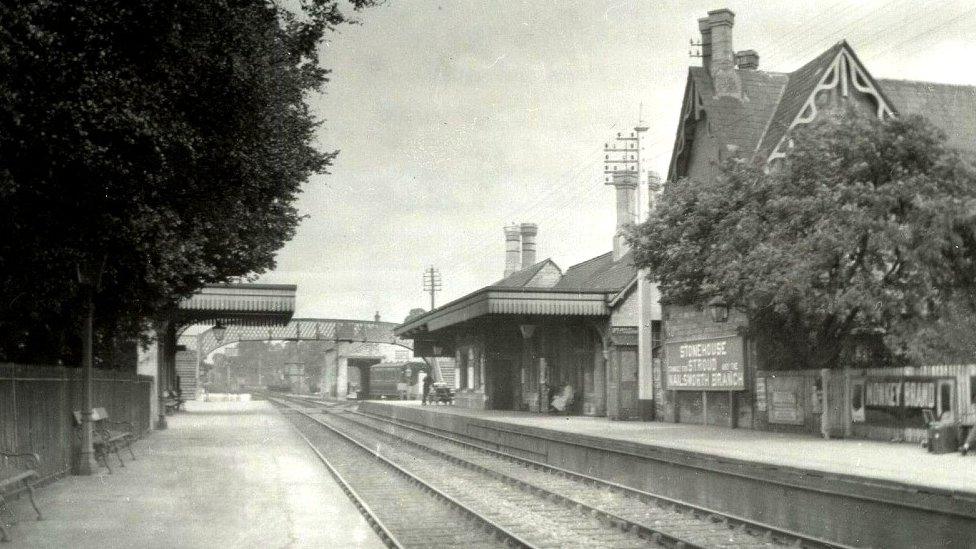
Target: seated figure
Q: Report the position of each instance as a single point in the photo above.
(564, 399)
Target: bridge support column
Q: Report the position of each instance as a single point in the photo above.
(342, 377)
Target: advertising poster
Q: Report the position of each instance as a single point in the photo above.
(898, 401)
(785, 399)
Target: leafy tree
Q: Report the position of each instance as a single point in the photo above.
(414, 313)
(161, 144)
(867, 227)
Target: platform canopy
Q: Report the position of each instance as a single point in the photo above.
(239, 304)
(507, 301)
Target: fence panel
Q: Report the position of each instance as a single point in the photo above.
(36, 405)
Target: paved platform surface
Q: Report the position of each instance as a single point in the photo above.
(872, 460)
(225, 474)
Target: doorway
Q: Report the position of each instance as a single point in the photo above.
(501, 383)
(622, 384)
(946, 395)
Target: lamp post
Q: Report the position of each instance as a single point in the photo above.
(89, 278)
(718, 309)
(219, 331)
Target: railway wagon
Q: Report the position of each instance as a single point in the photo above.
(391, 380)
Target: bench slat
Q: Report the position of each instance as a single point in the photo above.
(7, 481)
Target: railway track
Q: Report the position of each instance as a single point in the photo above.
(670, 522)
(401, 508)
(511, 515)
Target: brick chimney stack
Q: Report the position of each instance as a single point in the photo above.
(625, 182)
(513, 252)
(718, 55)
(529, 232)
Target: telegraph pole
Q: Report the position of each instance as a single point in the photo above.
(432, 283)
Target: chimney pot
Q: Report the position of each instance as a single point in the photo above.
(529, 232)
(513, 253)
(747, 59)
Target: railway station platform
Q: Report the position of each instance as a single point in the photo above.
(857, 492)
(225, 474)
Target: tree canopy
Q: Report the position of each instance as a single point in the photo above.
(867, 227)
(164, 140)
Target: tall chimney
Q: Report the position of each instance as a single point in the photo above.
(718, 55)
(529, 230)
(513, 255)
(626, 184)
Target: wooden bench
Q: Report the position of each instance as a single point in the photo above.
(173, 401)
(15, 470)
(441, 394)
(109, 436)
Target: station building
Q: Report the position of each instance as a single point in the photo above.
(710, 374)
(539, 330)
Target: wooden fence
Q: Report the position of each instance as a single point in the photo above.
(36, 405)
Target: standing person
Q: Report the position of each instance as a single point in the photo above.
(970, 443)
(428, 381)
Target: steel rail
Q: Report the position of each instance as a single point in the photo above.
(364, 509)
(507, 537)
(766, 531)
(627, 525)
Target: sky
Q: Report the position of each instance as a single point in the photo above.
(455, 119)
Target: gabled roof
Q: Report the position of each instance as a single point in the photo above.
(601, 273)
(740, 122)
(772, 103)
(799, 87)
(732, 121)
(523, 278)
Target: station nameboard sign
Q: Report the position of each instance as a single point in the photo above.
(705, 365)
